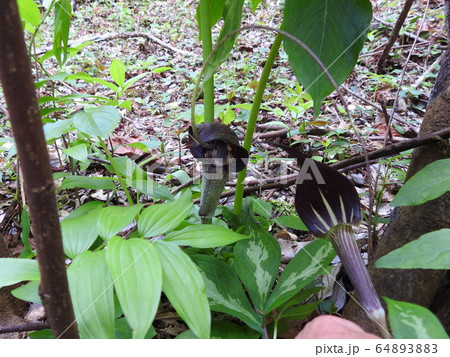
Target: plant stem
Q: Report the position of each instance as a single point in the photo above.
(344, 242)
(253, 117)
(117, 172)
(208, 86)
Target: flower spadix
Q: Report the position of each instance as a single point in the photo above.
(327, 202)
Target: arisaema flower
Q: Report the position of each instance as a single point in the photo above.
(327, 202)
(220, 153)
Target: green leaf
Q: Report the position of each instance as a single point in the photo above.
(134, 79)
(427, 184)
(124, 331)
(225, 291)
(256, 262)
(204, 236)
(79, 233)
(185, 288)
(139, 180)
(163, 218)
(78, 152)
(292, 222)
(99, 121)
(310, 262)
(136, 269)
(429, 251)
(413, 321)
(255, 4)
(334, 31)
(117, 72)
(115, 218)
(300, 312)
(54, 130)
(15, 270)
(29, 12)
(63, 14)
(93, 183)
(91, 290)
(28, 292)
(232, 14)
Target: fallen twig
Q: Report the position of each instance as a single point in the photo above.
(124, 36)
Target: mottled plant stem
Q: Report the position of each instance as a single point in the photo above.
(213, 183)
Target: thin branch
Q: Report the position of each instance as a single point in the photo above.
(398, 25)
(344, 165)
(124, 36)
(32, 326)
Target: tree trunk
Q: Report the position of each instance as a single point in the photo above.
(409, 223)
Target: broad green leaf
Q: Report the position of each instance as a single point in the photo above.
(93, 183)
(54, 130)
(163, 218)
(139, 179)
(78, 152)
(255, 4)
(232, 14)
(91, 290)
(292, 222)
(15, 270)
(310, 262)
(335, 31)
(99, 121)
(85, 208)
(28, 292)
(429, 251)
(413, 321)
(63, 14)
(79, 233)
(114, 218)
(136, 269)
(429, 183)
(225, 291)
(117, 71)
(29, 12)
(256, 262)
(184, 287)
(204, 236)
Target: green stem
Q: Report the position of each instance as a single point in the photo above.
(117, 172)
(253, 117)
(208, 86)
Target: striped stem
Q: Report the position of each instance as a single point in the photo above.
(344, 242)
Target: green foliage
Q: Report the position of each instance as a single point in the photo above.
(429, 183)
(63, 13)
(136, 269)
(334, 31)
(15, 270)
(413, 321)
(239, 280)
(421, 253)
(185, 288)
(91, 290)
